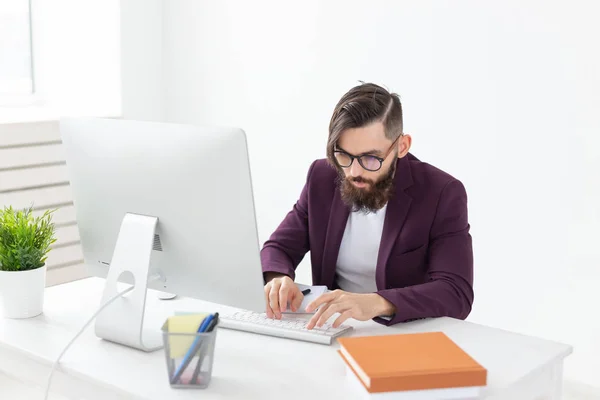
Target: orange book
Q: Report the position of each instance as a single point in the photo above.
(412, 361)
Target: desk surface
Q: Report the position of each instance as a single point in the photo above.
(248, 366)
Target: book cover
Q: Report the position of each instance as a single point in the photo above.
(414, 361)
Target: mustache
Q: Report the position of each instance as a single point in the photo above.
(360, 179)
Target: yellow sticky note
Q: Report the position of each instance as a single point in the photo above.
(189, 323)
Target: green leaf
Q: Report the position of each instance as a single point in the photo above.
(25, 240)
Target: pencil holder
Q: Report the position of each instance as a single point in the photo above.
(189, 358)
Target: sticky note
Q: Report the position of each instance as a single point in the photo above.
(189, 323)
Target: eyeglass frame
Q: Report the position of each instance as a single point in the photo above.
(352, 157)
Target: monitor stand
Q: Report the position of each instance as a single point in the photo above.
(123, 320)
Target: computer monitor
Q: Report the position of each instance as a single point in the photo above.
(168, 201)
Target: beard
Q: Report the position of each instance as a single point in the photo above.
(371, 198)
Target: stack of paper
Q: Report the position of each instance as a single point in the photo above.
(185, 324)
(315, 291)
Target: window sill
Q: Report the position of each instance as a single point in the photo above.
(28, 114)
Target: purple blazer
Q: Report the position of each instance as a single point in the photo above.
(425, 261)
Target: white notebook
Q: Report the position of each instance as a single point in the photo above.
(315, 291)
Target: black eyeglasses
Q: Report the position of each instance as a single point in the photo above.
(367, 161)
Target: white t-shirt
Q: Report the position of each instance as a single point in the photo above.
(357, 258)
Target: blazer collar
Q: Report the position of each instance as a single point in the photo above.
(397, 210)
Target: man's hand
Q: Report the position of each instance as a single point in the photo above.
(362, 307)
(280, 290)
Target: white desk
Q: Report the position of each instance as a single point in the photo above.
(247, 366)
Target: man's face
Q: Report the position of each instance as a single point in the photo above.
(363, 189)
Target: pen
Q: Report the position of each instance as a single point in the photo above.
(192, 350)
(210, 328)
(306, 291)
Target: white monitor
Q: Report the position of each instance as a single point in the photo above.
(167, 201)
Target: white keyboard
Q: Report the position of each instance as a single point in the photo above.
(289, 326)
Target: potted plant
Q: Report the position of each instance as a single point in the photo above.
(25, 241)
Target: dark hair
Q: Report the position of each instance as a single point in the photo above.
(361, 106)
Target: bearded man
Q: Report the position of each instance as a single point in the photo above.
(387, 233)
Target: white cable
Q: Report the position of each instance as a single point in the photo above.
(115, 297)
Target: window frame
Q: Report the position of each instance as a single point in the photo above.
(25, 99)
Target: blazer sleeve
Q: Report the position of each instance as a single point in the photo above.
(288, 245)
(449, 289)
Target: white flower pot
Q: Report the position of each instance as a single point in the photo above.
(22, 293)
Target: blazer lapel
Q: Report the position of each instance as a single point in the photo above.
(338, 217)
(396, 213)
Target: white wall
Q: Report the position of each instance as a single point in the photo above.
(141, 54)
(76, 56)
(504, 95)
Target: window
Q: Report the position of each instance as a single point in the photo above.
(16, 60)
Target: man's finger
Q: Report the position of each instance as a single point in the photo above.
(313, 321)
(283, 298)
(269, 311)
(322, 299)
(274, 299)
(343, 317)
(297, 300)
(332, 309)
